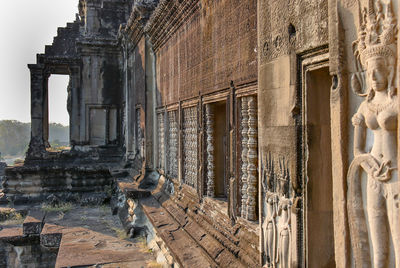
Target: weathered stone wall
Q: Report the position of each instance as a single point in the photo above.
(216, 44)
(289, 32)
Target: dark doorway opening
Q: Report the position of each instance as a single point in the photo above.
(220, 150)
(320, 236)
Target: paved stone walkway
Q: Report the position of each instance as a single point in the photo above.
(92, 237)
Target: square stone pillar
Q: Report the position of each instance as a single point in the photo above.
(37, 147)
(73, 105)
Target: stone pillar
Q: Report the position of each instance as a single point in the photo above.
(210, 150)
(252, 158)
(37, 146)
(244, 132)
(73, 106)
(46, 110)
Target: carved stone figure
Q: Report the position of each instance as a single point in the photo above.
(375, 52)
(284, 233)
(278, 201)
(269, 224)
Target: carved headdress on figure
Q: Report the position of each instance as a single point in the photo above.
(376, 38)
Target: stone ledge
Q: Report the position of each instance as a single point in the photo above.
(184, 249)
(131, 190)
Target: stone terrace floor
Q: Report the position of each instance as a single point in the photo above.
(91, 237)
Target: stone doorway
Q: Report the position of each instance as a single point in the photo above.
(58, 109)
(318, 188)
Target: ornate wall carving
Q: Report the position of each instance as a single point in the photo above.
(278, 200)
(375, 53)
(190, 146)
(161, 140)
(210, 150)
(173, 144)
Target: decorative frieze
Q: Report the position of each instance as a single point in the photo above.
(173, 144)
(190, 146)
(210, 150)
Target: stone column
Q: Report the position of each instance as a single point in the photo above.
(210, 150)
(244, 125)
(73, 106)
(46, 111)
(252, 155)
(36, 146)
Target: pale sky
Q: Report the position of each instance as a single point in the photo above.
(26, 26)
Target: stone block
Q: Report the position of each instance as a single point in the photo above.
(51, 236)
(34, 222)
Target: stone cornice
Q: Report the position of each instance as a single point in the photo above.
(167, 18)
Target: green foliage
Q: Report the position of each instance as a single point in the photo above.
(63, 207)
(15, 136)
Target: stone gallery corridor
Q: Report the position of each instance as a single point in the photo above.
(225, 133)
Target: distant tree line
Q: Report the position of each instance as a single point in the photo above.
(15, 136)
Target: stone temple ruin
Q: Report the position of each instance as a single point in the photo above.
(254, 133)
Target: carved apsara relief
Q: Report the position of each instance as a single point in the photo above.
(190, 146)
(374, 224)
(278, 199)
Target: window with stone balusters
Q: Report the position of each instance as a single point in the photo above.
(172, 152)
(190, 146)
(161, 140)
(248, 158)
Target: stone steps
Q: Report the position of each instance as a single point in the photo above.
(190, 240)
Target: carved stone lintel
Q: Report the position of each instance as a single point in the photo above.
(210, 150)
